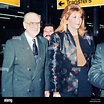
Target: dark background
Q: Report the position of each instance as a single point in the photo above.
(48, 10)
(49, 13)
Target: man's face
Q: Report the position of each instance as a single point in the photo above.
(47, 31)
(32, 24)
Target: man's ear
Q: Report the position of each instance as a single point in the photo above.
(24, 25)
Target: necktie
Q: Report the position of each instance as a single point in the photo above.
(35, 50)
(81, 61)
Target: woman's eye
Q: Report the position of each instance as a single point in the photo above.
(74, 16)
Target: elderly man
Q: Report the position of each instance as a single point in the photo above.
(25, 71)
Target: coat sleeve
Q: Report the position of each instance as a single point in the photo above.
(7, 70)
(96, 73)
(53, 49)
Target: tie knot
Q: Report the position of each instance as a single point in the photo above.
(33, 40)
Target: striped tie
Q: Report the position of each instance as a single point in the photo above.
(35, 50)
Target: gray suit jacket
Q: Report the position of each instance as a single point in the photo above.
(96, 72)
(21, 75)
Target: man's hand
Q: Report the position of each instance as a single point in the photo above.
(47, 93)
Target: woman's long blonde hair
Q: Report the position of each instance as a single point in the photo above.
(69, 9)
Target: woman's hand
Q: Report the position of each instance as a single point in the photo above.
(56, 94)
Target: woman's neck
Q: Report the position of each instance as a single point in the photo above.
(74, 32)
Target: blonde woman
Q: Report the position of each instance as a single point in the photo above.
(70, 51)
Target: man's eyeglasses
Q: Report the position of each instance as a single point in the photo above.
(34, 23)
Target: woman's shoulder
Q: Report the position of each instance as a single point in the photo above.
(56, 34)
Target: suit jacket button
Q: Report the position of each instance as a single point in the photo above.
(28, 90)
(28, 69)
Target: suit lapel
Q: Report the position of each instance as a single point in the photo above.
(40, 46)
(27, 49)
(84, 45)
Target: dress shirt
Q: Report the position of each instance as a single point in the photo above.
(30, 40)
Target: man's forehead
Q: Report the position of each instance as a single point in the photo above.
(32, 17)
(48, 27)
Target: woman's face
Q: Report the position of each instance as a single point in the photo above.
(75, 20)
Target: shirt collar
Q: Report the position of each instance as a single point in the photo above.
(29, 39)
